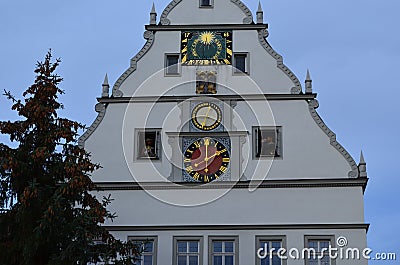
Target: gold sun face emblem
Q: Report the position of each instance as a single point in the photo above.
(207, 37)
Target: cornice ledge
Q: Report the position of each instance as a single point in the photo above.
(206, 26)
(312, 106)
(164, 16)
(266, 184)
(248, 97)
(149, 36)
(262, 35)
(100, 108)
(324, 226)
(249, 16)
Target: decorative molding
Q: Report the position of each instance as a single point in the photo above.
(240, 227)
(249, 16)
(164, 16)
(101, 109)
(149, 36)
(249, 97)
(163, 27)
(266, 184)
(262, 35)
(312, 106)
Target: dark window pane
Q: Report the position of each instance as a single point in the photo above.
(148, 260)
(182, 247)
(313, 245)
(172, 64)
(240, 63)
(217, 260)
(264, 245)
(194, 247)
(325, 260)
(276, 260)
(229, 247)
(276, 245)
(217, 247)
(205, 2)
(181, 260)
(148, 247)
(193, 260)
(265, 261)
(228, 260)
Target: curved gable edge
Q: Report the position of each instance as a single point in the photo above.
(312, 106)
(101, 109)
(149, 36)
(262, 35)
(165, 21)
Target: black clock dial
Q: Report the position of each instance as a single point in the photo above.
(206, 116)
(206, 160)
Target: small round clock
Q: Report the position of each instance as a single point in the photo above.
(206, 116)
(206, 160)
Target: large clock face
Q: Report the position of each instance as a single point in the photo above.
(206, 160)
(206, 116)
(206, 47)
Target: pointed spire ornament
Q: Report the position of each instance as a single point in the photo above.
(362, 166)
(153, 15)
(260, 14)
(308, 83)
(106, 88)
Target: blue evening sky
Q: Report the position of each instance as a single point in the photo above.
(352, 49)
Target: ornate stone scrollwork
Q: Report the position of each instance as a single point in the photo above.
(149, 36)
(312, 106)
(101, 109)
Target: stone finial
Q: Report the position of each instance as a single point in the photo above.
(106, 88)
(362, 166)
(260, 14)
(308, 83)
(153, 15)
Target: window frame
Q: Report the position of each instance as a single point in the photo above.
(270, 238)
(211, 5)
(158, 145)
(176, 239)
(148, 238)
(330, 238)
(279, 144)
(235, 240)
(246, 62)
(178, 65)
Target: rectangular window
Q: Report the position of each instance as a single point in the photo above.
(270, 244)
(317, 250)
(172, 64)
(267, 142)
(148, 247)
(149, 144)
(206, 3)
(188, 250)
(241, 65)
(223, 251)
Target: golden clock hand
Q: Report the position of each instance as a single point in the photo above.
(206, 143)
(205, 118)
(217, 153)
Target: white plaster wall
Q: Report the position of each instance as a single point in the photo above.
(307, 152)
(247, 242)
(149, 80)
(240, 206)
(223, 12)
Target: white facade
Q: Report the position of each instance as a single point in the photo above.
(306, 190)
